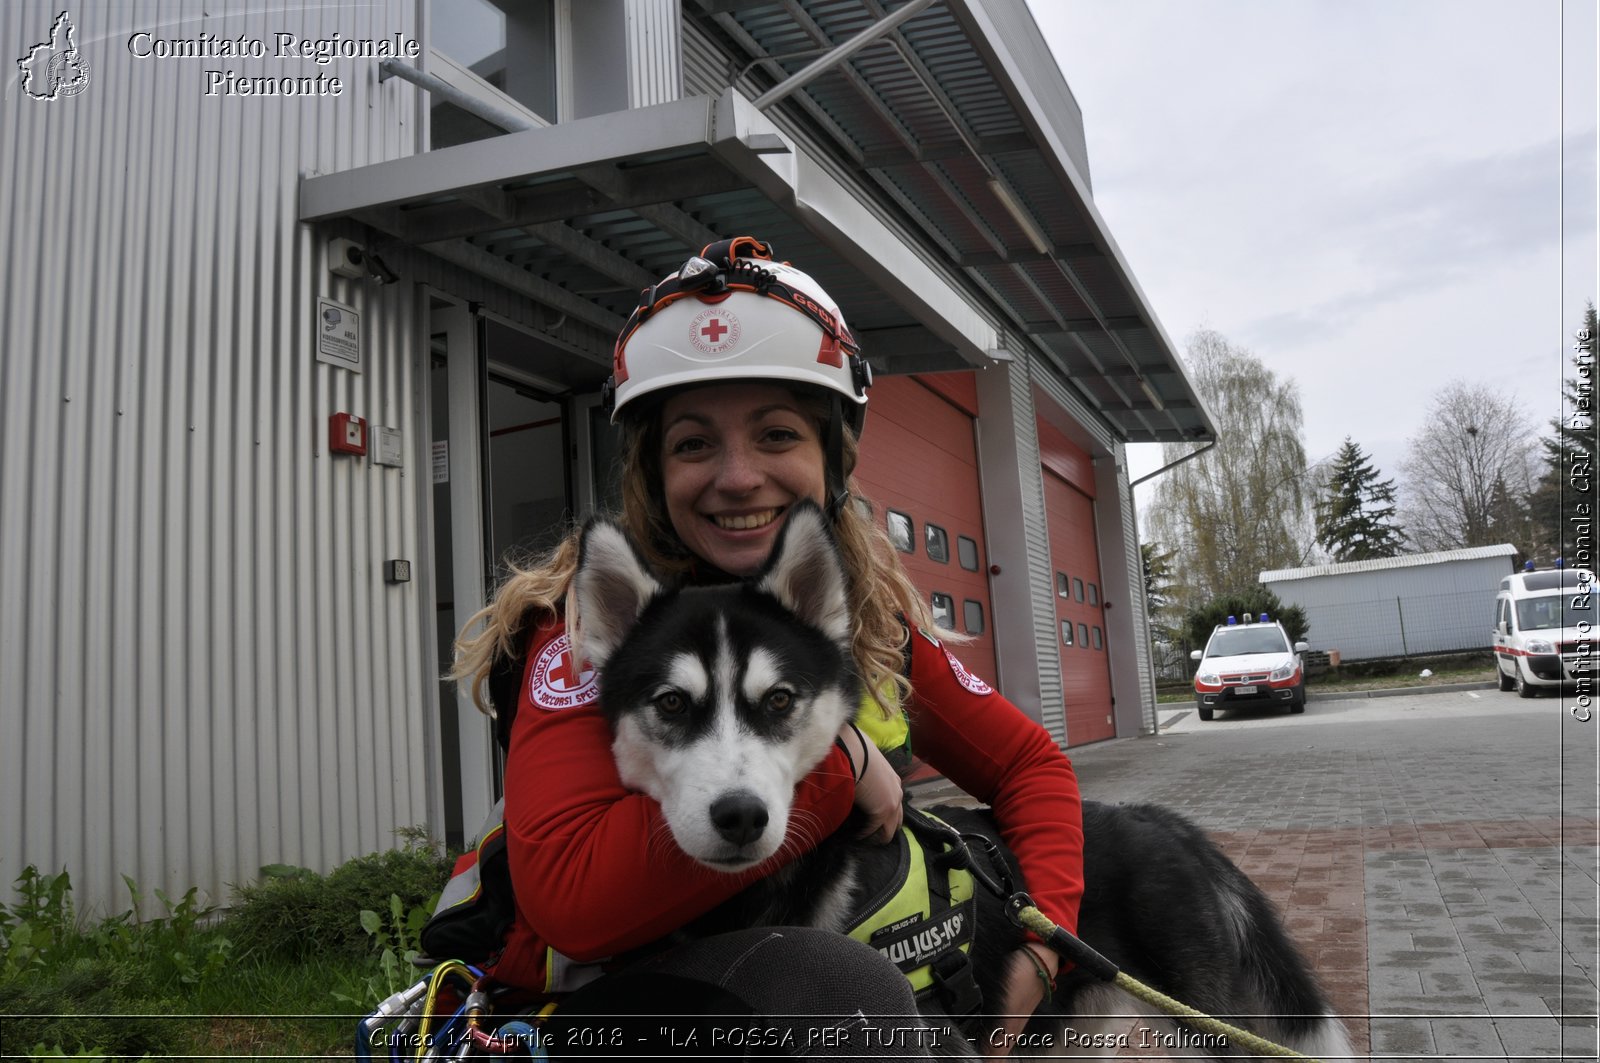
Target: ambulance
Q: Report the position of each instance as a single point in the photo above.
(1544, 631)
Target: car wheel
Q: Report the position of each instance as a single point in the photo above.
(1506, 682)
(1524, 688)
(1297, 705)
(1205, 712)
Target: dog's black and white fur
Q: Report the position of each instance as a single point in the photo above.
(723, 698)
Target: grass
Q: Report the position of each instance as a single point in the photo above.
(286, 973)
(1339, 682)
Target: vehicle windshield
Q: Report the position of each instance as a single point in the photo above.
(1236, 641)
(1554, 611)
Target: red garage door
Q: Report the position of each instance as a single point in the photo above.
(1075, 560)
(919, 465)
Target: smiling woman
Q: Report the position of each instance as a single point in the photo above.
(741, 394)
(734, 458)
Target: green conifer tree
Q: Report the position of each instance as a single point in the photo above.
(1563, 505)
(1355, 511)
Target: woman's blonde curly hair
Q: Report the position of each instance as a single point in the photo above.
(880, 592)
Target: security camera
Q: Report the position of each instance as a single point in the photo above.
(380, 269)
(346, 258)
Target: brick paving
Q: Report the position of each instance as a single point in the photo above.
(1434, 856)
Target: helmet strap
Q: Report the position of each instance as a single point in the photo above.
(833, 458)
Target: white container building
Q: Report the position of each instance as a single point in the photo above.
(1403, 606)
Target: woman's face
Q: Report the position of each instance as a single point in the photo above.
(734, 458)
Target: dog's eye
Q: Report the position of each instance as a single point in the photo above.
(779, 700)
(671, 703)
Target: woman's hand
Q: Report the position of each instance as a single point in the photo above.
(879, 791)
(1024, 991)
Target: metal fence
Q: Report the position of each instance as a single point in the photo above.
(1404, 625)
(1408, 625)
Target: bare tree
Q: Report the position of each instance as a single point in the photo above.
(1243, 506)
(1475, 454)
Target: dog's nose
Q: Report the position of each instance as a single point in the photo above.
(740, 817)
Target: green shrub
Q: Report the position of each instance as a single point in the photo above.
(297, 913)
(124, 988)
(1199, 622)
(88, 1003)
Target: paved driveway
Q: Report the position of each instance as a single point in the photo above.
(1434, 854)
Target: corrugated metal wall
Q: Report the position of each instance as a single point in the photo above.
(204, 669)
(705, 69)
(655, 62)
(1395, 612)
(1142, 675)
(1008, 463)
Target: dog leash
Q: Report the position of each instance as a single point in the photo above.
(1022, 912)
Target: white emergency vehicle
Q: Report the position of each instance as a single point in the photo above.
(1249, 662)
(1544, 631)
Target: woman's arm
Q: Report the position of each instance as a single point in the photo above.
(995, 752)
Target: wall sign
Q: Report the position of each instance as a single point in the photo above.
(338, 334)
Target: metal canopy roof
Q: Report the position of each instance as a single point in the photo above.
(938, 123)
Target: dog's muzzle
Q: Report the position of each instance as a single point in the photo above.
(740, 817)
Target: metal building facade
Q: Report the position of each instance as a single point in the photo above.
(206, 669)
(1398, 606)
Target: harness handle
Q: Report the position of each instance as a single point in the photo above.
(953, 850)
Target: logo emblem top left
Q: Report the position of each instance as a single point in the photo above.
(55, 68)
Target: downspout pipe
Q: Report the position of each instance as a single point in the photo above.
(1155, 715)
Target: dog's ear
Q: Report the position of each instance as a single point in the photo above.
(612, 586)
(806, 574)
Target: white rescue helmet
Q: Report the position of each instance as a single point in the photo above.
(732, 313)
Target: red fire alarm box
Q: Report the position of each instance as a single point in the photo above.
(347, 434)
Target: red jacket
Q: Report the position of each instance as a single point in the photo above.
(593, 864)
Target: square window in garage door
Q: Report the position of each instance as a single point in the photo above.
(902, 531)
(938, 543)
(967, 553)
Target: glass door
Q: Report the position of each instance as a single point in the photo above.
(504, 462)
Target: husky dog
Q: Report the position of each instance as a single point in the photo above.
(722, 698)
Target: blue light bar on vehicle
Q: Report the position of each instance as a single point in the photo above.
(1264, 618)
(1232, 620)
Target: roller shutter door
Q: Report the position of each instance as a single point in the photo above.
(1080, 626)
(919, 465)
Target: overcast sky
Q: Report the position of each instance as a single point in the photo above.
(1367, 194)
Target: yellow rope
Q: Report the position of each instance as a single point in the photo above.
(1040, 924)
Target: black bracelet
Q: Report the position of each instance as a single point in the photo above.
(838, 740)
(865, 755)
